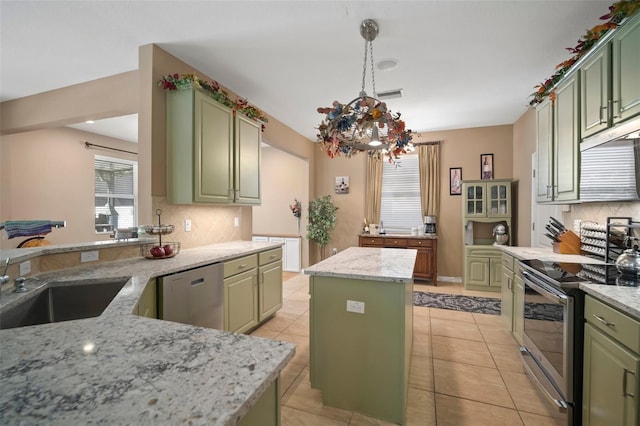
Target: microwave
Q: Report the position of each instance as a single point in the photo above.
(610, 164)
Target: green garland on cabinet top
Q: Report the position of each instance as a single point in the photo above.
(617, 13)
(174, 82)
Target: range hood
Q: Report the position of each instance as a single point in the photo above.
(610, 164)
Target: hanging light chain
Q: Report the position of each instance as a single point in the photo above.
(364, 69)
(373, 76)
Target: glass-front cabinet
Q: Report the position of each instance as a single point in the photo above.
(487, 198)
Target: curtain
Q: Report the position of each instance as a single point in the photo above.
(429, 164)
(373, 195)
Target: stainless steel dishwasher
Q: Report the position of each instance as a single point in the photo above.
(195, 296)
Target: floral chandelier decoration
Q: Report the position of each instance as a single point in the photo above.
(173, 82)
(617, 13)
(365, 123)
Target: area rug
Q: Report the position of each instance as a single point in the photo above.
(457, 302)
(485, 305)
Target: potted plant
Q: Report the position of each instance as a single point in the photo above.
(322, 219)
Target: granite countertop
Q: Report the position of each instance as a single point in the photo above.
(120, 368)
(626, 299)
(368, 263)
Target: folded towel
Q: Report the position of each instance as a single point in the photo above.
(27, 228)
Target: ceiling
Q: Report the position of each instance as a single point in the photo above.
(462, 64)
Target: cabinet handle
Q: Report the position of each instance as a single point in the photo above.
(604, 321)
(244, 265)
(548, 186)
(600, 120)
(624, 383)
(612, 109)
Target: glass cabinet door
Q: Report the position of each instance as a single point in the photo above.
(475, 200)
(499, 199)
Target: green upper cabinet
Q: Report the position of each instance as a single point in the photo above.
(212, 156)
(610, 86)
(626, 70)
(487, 198)
(566, 140)
(544, 162)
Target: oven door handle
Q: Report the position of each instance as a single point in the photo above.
(547, 388)
(534, 283)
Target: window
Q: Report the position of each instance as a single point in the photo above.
(116, 198)
(401, 208)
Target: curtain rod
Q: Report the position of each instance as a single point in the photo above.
(427, 143)
(89, 145)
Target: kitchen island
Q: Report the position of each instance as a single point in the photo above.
(120, 368)
(361, 330)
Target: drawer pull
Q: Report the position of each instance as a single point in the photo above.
(244, 265)
(624, 383)
(604, 321)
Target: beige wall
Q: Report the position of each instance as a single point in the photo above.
(49, 174)
(460, 148)
(524, 145)
(285, 177)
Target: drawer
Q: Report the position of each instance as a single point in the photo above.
(372, 241)
(241, 264)
(612, 322)
(507, 261)
(395, 242)
(418, 242)
(483, 251)
(269, 256)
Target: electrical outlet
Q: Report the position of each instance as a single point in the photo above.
(89, 256)
(353, 306)
(187, 225)
(236, 222)
(25, 268)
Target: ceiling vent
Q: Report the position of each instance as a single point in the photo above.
(389, 94)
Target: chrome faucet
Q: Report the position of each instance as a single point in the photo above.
(18, 284)
(5, 278)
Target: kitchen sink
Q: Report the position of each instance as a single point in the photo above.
(62, 301)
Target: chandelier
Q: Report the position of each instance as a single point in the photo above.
(364, 124)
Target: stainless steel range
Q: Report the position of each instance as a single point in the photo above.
(554, 327)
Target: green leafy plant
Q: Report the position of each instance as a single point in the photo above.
(322, 219)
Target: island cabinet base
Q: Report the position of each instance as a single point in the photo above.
(266, 411)
(360, 361)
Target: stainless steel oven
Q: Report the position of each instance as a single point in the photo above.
(552, 349)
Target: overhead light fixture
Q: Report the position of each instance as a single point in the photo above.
(365, 123)
(387, 64)
(89, 121)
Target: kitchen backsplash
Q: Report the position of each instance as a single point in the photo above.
(209, 224)
(598, 212)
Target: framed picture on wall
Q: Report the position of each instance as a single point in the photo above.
(342, 184)
(486, 166)
(455, 180)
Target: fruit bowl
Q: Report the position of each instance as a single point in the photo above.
(157, 229)
(157, 251)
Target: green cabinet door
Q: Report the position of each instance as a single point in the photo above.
(611, 381)
(518, 308)
(626, 70)
(247, 161)
(499, 199)
(213, 151)
(270, 294)
(477, 269)
(241, 301)
(147, 304)
(566, 139)
(506, 298)
(544, 152)
(475, 200)
(595, 92)
(495, 272)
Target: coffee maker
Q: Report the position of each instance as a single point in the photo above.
(430, 225)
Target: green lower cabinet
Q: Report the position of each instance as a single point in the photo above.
(360, 361)
(611, 381)
(506, 298)
(270, 289)
(266, 411)
(477, 272)
(147, 305)
(518, 308)
(241, 301)
(483, 269)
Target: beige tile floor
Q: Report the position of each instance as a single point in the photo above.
(465, 368)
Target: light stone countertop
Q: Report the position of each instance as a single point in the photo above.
(626, 299)
(367, 263)
(140, 370)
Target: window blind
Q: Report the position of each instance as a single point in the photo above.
(401, 209)
(115, 186)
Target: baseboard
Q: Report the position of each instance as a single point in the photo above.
(449, 279)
